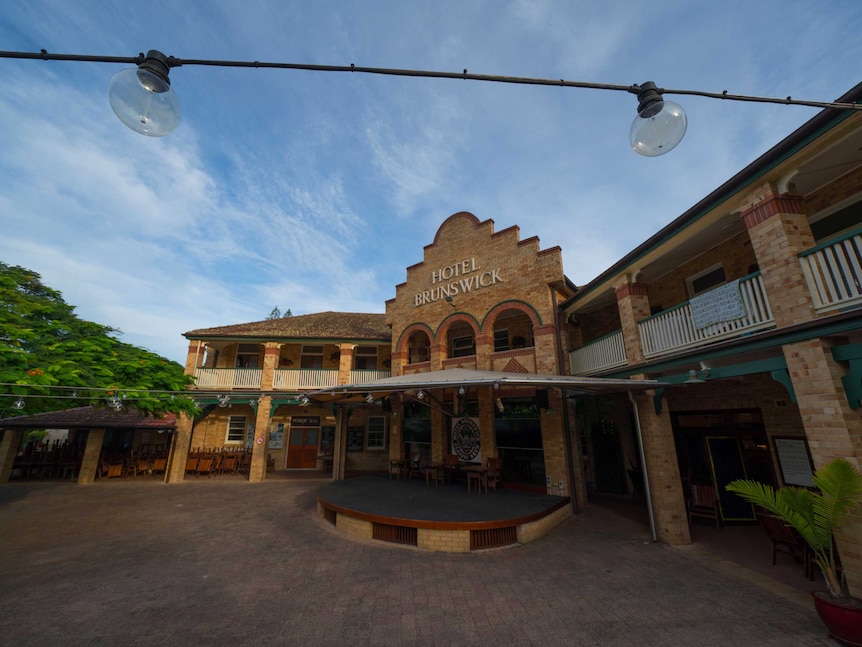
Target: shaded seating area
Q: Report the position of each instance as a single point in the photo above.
(56, 460)
(218, 461)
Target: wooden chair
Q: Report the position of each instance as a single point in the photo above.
(160, 465)
(450, 466)
(703, 504)
(493, 475)
(205, 465)
(785, 539)
(415, 465)
(228, 463)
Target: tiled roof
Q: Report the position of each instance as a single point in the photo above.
(320, 325)
(90, 418)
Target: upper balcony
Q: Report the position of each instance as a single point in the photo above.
(722, 313)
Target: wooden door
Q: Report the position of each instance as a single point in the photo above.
(302, 448)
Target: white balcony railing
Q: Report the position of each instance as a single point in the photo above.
(293, 379)
(603, 353)
(834, 272)
(674, 330)
(361, 376)
(228, 378)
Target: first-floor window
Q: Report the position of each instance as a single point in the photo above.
(376, 434)
(235, 429)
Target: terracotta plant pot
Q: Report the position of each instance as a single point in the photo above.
(843, 621)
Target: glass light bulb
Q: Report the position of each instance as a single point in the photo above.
(144, 102)
(656, 132)
(18, 404)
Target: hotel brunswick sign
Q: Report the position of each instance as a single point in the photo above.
(460, 278)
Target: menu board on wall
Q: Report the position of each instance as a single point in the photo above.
(795, 461)
(276, 437)
(355, 438)
(327, 439)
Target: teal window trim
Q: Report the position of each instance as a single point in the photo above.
(852, 382)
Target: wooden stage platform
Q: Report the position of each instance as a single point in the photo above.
(443, 517)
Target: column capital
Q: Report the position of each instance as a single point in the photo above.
(631, 289)
(770, 206)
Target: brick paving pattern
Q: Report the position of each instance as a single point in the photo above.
(232, 563)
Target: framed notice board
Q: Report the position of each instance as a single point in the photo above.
(355, 438)
(794, 459)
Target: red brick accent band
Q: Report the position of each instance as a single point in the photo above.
(771, 206)
(631, 290)
(271, 350)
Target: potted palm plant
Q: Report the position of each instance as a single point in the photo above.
(815, 514)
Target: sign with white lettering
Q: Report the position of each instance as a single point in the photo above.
(460, 278)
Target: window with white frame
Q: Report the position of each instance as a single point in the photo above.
(312, 357)
(501, 339)
(247, 355)
(376, 433)
(235, 429)
(705, 280)
(365, 358)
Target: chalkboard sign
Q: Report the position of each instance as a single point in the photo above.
(355, 438)
(726, 458)
(795, 461)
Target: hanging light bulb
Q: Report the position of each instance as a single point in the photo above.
(115, 402)
(461, 390)
(420, 394)
(18, 404)
(142, 98)
(369, 398)
(223, 400)
(659, 126)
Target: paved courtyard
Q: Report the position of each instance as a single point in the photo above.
(233, 563)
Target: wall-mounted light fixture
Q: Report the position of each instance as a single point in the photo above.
(698, 377)
(143, 99)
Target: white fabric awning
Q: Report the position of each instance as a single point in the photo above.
(458, 377)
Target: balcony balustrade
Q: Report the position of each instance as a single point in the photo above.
(834, 272)
(361, 376)
(674, 329)
(293, 379)
(228, 378)
(600, 354)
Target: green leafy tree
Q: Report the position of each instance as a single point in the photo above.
(275, 314)
(287, 313)
(45, 347)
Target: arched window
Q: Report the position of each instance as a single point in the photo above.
(512, 329)
(418, 348)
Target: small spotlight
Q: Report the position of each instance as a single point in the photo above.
(303, 400)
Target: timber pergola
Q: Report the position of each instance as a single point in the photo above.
(96, 420)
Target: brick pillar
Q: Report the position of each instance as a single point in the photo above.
(833, 429)
(8, 451)
(398, 361)
(194, 355)
(396, 419)
(439, 432)
(546, 339)
(259, 448)
(484, 348)
(271, 351)
(438, 354)
(577, 435)
(554, 442)
(633, 304)
(176, 471)
(487, 440)
(92, 452)
(668, 502)
(345, 362)
(779, 231)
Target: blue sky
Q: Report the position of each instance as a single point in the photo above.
(314, 191)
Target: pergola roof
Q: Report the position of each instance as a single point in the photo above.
(90, 418)
(458, 377)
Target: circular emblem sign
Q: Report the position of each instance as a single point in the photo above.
(259, 440)
(465, 439)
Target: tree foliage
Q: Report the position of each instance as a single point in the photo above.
(44, 343)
